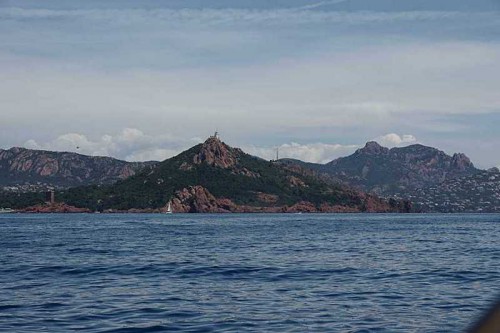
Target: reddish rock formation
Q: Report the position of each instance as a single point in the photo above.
(197, 199)
(373, 205)
(61, 169)
(296, 182)
(328, 208)
(186, 167)
(215, 153)
(399, 170)
(301, 207)
(460, 162)
(267, 198)
(245, 172)
(57, 207)
(309, 207)
(373, 148)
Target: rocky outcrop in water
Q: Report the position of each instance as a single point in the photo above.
(197, 199)
(54, 208)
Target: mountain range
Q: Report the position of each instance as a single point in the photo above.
(433, 180)
(27, 169)
(214, 177)
(384, 171)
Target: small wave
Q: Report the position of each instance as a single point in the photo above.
(51, 305)
(239, 272)
(10, 307)
(150, 329)
(253, 274)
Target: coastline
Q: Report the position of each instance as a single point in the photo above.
(222, 206)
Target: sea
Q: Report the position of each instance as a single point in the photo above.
(247, 273)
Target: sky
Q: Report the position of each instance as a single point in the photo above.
(144, 80)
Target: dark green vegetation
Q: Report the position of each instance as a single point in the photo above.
(226, 172)
(20, 200)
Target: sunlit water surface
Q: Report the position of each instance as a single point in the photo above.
(239, 273)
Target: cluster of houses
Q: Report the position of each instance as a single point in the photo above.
(477, 193)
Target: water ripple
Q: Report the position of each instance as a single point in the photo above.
(247, 273)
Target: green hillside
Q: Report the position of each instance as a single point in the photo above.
(226, 173)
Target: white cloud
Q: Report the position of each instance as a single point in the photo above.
(394, 140)
(314, 152)
(246, 72)
(133, 145)
(325, 152)
(151, 154)
(130, 144)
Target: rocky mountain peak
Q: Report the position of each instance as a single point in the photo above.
(461, 162)
(23, 169)
(214, 152)
(373, 148)
(494, 170)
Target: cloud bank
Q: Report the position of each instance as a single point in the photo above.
(375, 88)
(394, 140)
(314, 152)
(130, 144)
(133, 145)
(304, 76)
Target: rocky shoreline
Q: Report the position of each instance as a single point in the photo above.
(197, 199)
(282, 210)
(54, 208)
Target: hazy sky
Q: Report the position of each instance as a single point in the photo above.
(146, 79)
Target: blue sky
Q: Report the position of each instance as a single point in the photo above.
(146, 79)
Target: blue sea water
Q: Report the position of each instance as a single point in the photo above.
(247, 273)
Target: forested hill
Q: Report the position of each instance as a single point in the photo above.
(214, 177)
